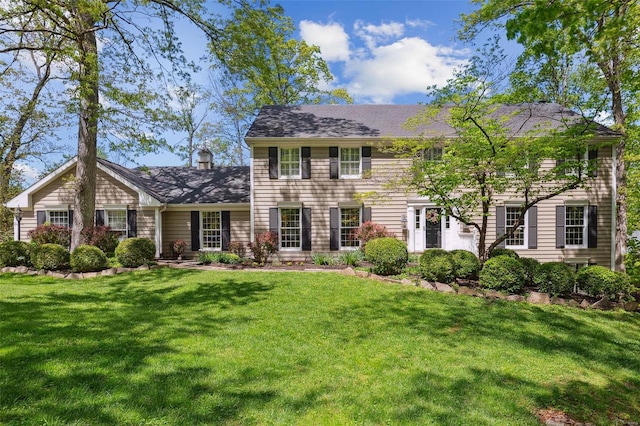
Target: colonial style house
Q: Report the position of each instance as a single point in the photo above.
(308, 163)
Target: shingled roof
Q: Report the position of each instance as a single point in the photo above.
(377, 121)
(186, 185)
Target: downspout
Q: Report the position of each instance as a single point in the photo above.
(159, 211)
(252, 198)
(613, 209)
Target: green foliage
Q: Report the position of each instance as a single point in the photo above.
(86, 258)
(351, 258)
(499, 251)
(467, 264)
(555, 277)
(632, 261)
(238, 248)
(52, 257)
(322, 259)
(51, 234)
(437, 265)
(388, 255)
(102, 237)
(209, 257)
(14, 253)
(597, 281)
(503, 273)
(177, 248)
(530, 266)
(134, 252)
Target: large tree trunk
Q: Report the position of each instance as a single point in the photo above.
(85, 188)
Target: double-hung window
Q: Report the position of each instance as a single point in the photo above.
(432, 154)
(58, 217)
(575, 226)
(211, 230)
(519, 238)
(289, 162)
(290, 228)
(117, 220)
(350, 162)
(350, 220)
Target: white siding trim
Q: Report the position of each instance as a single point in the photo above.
(614, 195)
(252, 200)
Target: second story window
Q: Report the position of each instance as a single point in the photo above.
(349, 162)
(432, 154)
(290, 162)
(518, 238)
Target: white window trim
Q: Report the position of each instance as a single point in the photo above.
(585, 226)
(48, 210)
(348, 248)
(202, 248)
(345, 176)
(298, 207)
(524, 226)
(126, 221)
(585, 163)
(296, 176)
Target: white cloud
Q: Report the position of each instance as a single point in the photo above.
(419, 23)
(372, 35)
(331, 38)
(28, 173)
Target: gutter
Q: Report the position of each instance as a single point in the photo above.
(614, 216)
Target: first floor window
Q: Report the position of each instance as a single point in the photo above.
(575, 226)
(349, 162)
(517, 239)
(211, 230)
(289, 162)
(290, 228)
(58, 217)
(349, 223)
(117, 220)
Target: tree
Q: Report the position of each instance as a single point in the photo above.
(488, 155)
(193, 108)
(602, 34)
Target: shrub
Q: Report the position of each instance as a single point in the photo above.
(388, 255)
(322, 259)
(369, 231)
(209, 257)
(351, 258)
(437, 265)
(500, 251)
(600, 281)
(177, 248)
(86, 258)
(52, 257)
(263, 246)
(502, 273)
(14, 253)
(555, 278)
(530, 266)
(238, 248)
(102, 237)
(51, 234)
(467, 264)
(134, 252)
(632, 261)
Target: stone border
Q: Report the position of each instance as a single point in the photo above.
(68, 274)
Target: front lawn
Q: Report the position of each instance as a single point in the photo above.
(172, 346)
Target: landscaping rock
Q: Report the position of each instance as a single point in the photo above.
(42, 272)
(407, 281)
(585, 304)
(349, 271)
(22, 269)
(8, 269)
(427, 285)
(74, 276)
(494, 294)
(110, 271)
(603, 303)
(467, 291)
(631, 306)
(142, 268)
(539, 298)
(32, 272)
(558, 301)
(56, 274)
(515, 298)
(90, 274)
(361, 274)
(444, 288)
(121, 270)
(573, 303)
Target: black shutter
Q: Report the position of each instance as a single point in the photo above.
(99, 217)
(533, 227)
(306, 229)
(333, 162)
(273, 162)
(41, 217)
(226, 229)
(70, 221)
(366, 162)
(195, 230)
(560, 224)
(366, 214)
(593, 162)
(334, 228)
(273, 220)
(306, 162)
(592, 227)
(132, 223)
(500, 224)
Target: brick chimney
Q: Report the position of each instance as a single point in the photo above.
(205, 159)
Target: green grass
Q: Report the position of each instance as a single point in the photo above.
(172, 346)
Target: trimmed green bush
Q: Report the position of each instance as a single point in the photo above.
(86, 258)
(14, 253)
(52, 257)
(437, 265)
(555, 278)
(388, 255)
(503, 273)
(134, 252)
(467, 264)
(530, 266)
(600, 281)
(499, 251)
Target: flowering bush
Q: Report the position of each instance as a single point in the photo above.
(177, 248)
(102, 237)
(369, 231)
(238, 248)
(263, 246)
(51, 234)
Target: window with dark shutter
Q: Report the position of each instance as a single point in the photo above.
(500, 224)
(306, 229)
(99, 217)
(532, 224)
(195, 230)
(132, 223)
(333, 162)
(306, 162)
(366, 162)
(226, 229)
(593, 162)
(560, 226)
(592, 227)
(334, 228)
(273, 162)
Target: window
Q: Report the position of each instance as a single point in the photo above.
(349, 223)
(349, 162)
(518, 239)
(575, 226)
(58, 217)
(433, 154)
(417, 218)
(290, 162)
(211, 229)
(290, 228)
(117, 220)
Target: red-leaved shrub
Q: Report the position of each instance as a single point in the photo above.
(263, 246)
(102, 237)
(51, 234)
(369, 231)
